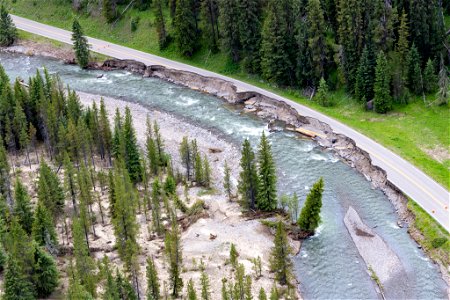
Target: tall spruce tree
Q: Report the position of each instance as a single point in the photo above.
(132, 158)
(184, 27)
(8, 31)
(210, 11)
(382, 96)
(22, 207)
(186, 156)
(15, 285)
(43, 230)
(280, 262)
(415, 82)
(317, 38)
(365, 76)
(249, 20)
(153, 287)
(80, 45)
(227, 181)
(163, 38)
(267, 188)
(45, 273)
(248, 178)
(430, 78)
(50, 192)
(310, 215)
(229, 24)
(174, 258)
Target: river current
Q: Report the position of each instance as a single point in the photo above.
(328, 265)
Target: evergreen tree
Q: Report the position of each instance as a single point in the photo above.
(415, 83)
(227, 181)
(185, 28)
(262, 294)
(186, 156)
(233, 256)
(132, 158)
(160, 23)
(229, 24)
(210, 10)
(276, 43)
(105, 129)
(85, 266)
(323, 96)
(70, 182)
(156, 207)
(382, 97)
(45, 273)
(280, 262)
(125, 289)
(80, 45)
(152, 151)
(191, 294)
(249, 22)
(248, 178)
(304, 68)
(206, 171)
(317, 38)
(274, 293)
(8, 31)
(267, 188)
(443, 92)
(5, 179)
(204, 281)
(174, 258)
(15, 285)
(365, 76)
(43, 230)
(248, 288)
(153, 288)
(50, 192)
(22, 208)
(109, 10)
(310, 215)
(430, 78)
(403, 34)
(383, 31)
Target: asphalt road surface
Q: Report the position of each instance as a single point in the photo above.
(425, 191)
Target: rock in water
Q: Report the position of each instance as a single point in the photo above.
(379, 257)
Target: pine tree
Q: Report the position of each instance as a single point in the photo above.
(153, 288)
(45, 273)
(19, 246)
(323, 96)
(229, 24)
(210, 10)
(125, 289)
(206, 171)
(310, 215)
(382, 96)
(383, 31)
(152, 151)
(85, 267)
(227, 181)
(80, 45)
(185, 28)
(304, 68)
(191, 294)
(262, 294)
(430, 78)
(248, 288)
(233, 256)
(70, 182)
(280, 262)
(403, 33)
(8, 31)
(15, 285)
(50, 192)
(248, 178)
(274, 293)
(109, 10)
(132, 158)
(276, 43)
(111, 292)
(204, 281)
(156, 207)
(365, 76)
(186, 156)
(161, 26)
(267, 188)
(249, 22)
(317, 38)
(22, 208)
(415, 83)
(76, 290)
(5, 179)
(174, 258)
(43, 231)
(159, 142)
(443, 92)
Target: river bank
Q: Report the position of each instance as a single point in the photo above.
(263, 108)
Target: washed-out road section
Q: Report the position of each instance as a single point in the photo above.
(413, 182)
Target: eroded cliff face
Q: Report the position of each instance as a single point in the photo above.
(275, 111)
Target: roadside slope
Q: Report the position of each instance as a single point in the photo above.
(425, 191)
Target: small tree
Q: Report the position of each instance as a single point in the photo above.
(191, 294)
(310, 215)
(153, 288)
(160, 23)
(8, 31)
(430, 80)
(109, 10)
(80, 45)
(443, 93)
(22, 208)
(175, 258)
(262, 294)
(206, 172)
(45, 273)
(234, 256)
(227, 181)
(323, 96)
(280, 262)
(204, 280)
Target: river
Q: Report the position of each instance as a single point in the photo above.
(328, 265)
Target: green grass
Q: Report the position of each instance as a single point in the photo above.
(432, 232)
(409, 130)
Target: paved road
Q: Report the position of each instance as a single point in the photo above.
(424, 190)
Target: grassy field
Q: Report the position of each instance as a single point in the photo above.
(417, 132)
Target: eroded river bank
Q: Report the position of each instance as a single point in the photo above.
(323, 258)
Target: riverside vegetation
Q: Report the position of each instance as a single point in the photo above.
(85, 161)
(145, 25)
